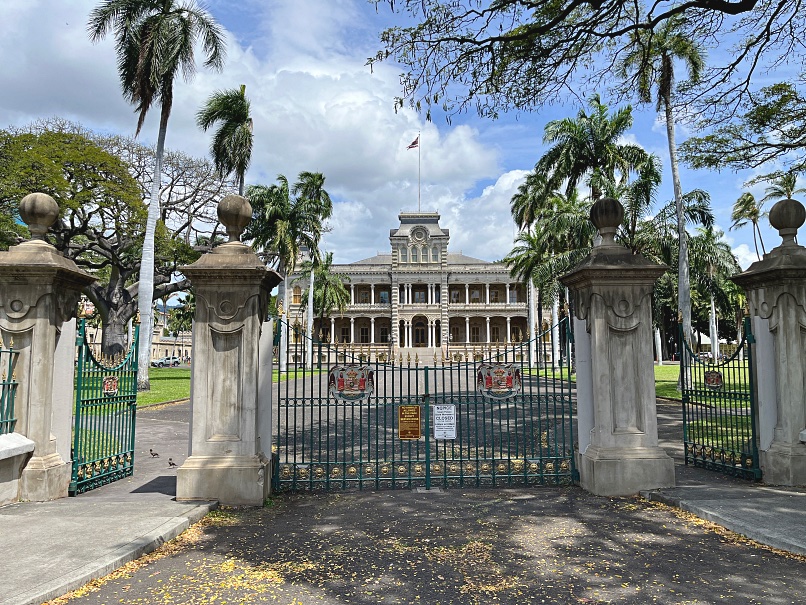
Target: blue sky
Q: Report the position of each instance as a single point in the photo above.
(317, 107)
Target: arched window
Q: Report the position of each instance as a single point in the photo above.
(414, 254)
(404, 256)
(434, 255)
(297, 299)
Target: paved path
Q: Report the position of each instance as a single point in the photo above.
(454, 546)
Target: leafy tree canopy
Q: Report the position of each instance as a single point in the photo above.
(501, 55)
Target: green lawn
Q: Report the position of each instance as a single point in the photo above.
(170, 384)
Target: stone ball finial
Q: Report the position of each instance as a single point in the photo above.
(606, 215)
(39, 211)
(787, 216)
(234, 212)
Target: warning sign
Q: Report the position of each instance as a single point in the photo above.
(408, 422)
(444, 421)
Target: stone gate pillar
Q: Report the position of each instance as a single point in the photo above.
(618, 431)
(232, 287)
(39, 291)
(776, 293)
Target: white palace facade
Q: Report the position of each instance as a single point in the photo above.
(423, 299)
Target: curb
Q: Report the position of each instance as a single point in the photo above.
(767, 539)
(105, 565)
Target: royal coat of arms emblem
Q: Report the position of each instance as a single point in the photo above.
(110, 386)
(498, 380)
(351, 382)
(713, 379)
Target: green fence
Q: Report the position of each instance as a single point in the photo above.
(104, 422)
(8, 387)
(353, 417)
(719, 409)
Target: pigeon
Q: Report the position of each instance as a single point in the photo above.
(153, 454)
(171, 463)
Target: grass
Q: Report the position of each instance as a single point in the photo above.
(731, 433)
(167, 384)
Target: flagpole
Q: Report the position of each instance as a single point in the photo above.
(419, 164)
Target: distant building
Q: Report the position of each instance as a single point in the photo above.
(423, 299)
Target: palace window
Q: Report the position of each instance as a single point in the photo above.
(495, 334)
(513, 296)
(297, 296)
(494, 296)
(434, 254)
(384, 297)
(363, 297)
(404, 255)
(345, 334)
(364, 335)
(455, 334)
(419, 297)
(454, 296)
(475, 296)
(384, 335)
(436, 295)
(475, 335)
(414, 255)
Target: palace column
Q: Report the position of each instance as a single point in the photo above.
(352, 294)
(776, 292)
(430, 333)
(487, 297)
(232, 288)
(506, 300)
(372, 330)
(39, 292)
(467, 329)
(467, 294)
(617, 417)
(509, 330)
(372, 294)
(352, 330)
(488, 330)
(332, 330)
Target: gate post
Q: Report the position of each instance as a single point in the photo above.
(776, 292)
(618, 430)
(232, 287)
(39, 291)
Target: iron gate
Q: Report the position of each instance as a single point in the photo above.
(104, 415)
(383, 435)
(719, 409)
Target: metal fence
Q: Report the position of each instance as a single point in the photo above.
(351, 419)
(719, 409)
(104, 415)
(8, 387)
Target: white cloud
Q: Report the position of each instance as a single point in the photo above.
(745, 256)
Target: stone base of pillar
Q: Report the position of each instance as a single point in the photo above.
(232, 480)
(784, 464)
(624, 472)
(45, 478)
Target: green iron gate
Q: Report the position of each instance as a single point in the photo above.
(359, 417)
(103, 427)
(719, 409)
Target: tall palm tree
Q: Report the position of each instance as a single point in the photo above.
(747, 210)
(231, 148)
(652, 61)
(713, 262)
(154, 42)
(782, 186)
(588, 145)
(329, 290)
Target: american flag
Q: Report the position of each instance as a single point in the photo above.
(415, 143)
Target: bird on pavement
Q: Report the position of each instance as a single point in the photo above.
(171, 463)
(153, 454)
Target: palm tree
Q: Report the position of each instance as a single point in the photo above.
(329, 291)
(588, 145)
(782, 186)
(652, 60)
(713, 263)
(747, 209)
(155, 41)
(231, 148)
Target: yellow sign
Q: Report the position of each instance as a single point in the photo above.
(408, 422)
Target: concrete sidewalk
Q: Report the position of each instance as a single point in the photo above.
(51, 548)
